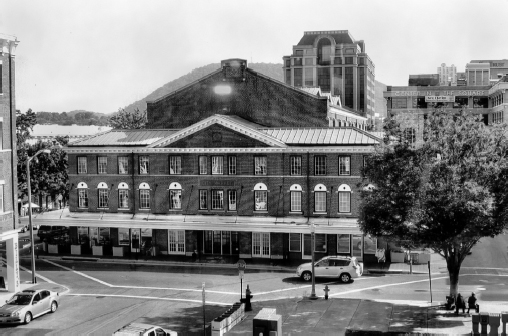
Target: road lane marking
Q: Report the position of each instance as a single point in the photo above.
(153, 298)
(79, 273)
(108, 321)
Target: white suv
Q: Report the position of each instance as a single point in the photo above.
(344, 268)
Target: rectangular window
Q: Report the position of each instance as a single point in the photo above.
(2, 209)
(102, 165)
(297, 61)
(261, 197)
(320, 165)
(203, 201)
(123, 199)
(288, 76)
(175, 165)
(217, 165)
(299, 52)
(123, 165)
(175, 199)
(320, 201)
(323, 78)
(344, 165)
(232, 200)
(83, 236)
(399, 103)
(144, 199)
(337, 81)
(82, 164)
(296, 201)
(232, 165)
(309, 77)
(320, 242)
(261, 244)
(217, 199)
(343, 243)
(287, 63)
(82, 198)
(260, 165)
(337, 60)
(349, 60)
(295, 242)
(296, 165)
(345, 201)
(348, 86)
(309, 61)
(123, 236)
(103, 198)
(144, 165)
(369, 245)
(203, 165)
(298, 73)
(176, 241)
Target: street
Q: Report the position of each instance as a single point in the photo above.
(103, 297)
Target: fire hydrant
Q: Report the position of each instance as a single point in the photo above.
(248, 296)
(326, 292)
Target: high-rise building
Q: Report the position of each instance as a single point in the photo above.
(8, 160)
(447, 75)
(337, 63)
(496, 69)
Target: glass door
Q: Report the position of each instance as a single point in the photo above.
(357, 246)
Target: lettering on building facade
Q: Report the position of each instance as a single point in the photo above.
(217, 183)
(441, 93)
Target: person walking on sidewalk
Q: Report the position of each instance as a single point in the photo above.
(460, 303)
(471, 303)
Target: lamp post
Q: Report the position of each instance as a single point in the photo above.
(47, 151)
(312, 233)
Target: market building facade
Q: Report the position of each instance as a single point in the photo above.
(234, 165)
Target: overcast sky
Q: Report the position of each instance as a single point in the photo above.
(99, 55)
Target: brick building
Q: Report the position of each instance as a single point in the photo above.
(223, 177)
(8, 159)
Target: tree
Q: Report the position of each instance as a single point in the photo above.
(124, 119)
(25, 123)
(444, 192)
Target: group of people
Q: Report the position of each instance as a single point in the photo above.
(460, 303)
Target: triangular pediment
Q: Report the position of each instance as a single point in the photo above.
(220, 131)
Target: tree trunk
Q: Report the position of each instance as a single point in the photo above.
(454, 280)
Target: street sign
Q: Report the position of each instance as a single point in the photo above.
(240, 273)
(241, 265)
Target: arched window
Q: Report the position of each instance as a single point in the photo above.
(82, 195)
(320, 198)
(123, 196)
(144, 196)
(260, 197)
(175, 196)
(295, 192)
(344, 198)
(324, 49)
(103, 195)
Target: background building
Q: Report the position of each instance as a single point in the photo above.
(8, 160)
(447, 75)
(335, 62)
(245, 183)
(497, 69)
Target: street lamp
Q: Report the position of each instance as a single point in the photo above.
(312, 233)
(47, 151)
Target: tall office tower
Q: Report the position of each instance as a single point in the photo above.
(8, 161)
(337, 63)
(447, 75)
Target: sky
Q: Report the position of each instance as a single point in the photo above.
(101, 55)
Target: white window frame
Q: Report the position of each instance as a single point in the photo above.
(123, 161)
(344, 165)
(217, 165)
(175, 165)
(172, 204)
(232, 165)
(260, 165)
(123, 194)
(232, 200)
(102, 198)
(144, 199)
(102, 164)
(295, 165)
(203, 165)
(344, 198)
(203, 195)
(294, 240)
(144, 161)
(296, 201)
(261, 244)
(217, 199)
(319, 162)
(82, 165)
(176, 242)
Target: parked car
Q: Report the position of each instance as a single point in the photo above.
(142, 329)
(344, 268)
(24, 306)
(26, 228)
(48, 231)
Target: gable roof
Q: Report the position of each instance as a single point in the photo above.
(323, 136)
(138, 137)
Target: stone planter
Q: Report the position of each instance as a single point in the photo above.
(97, 250)
(118, 251)
(53, 248)
(76, 249)
(397, 257)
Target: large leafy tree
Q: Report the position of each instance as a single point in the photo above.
(124, 119)
(445, 191)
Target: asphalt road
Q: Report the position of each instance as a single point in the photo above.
(489, 253)
(104, 297)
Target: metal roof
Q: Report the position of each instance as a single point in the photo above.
(322, 136)
(124, 138)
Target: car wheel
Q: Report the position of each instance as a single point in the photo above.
(54, 306)
(344, 277)
(307, 276)
(28, 318)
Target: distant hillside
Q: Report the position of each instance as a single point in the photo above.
(76, 117)
(273, 70)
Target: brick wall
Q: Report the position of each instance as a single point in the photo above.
(257, 99)
(278, 181)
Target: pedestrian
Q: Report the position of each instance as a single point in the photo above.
(460, 303)
(471, 303)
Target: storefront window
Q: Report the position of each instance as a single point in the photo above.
(176, 240)
(295, 242)
(123, 237)
(357, 245)
(83, 237)
(343, 243)
(481, 102)
(104, 238)
(460, 102)
(369, 245)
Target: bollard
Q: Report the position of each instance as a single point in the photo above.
(484, 322)
(494, 321)
(475, 318)
(504, 320)
(326, 292)
(248, 296)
